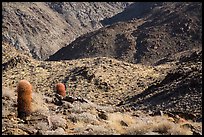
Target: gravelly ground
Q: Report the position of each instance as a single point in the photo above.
(102, 82)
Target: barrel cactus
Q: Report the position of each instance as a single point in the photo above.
(24, 90)
(60, 88)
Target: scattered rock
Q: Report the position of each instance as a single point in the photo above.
(103, 115)
(123, 123)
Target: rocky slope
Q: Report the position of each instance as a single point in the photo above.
(102, 80)
(82, 117)
(95, 89)
(180, 92)
(136, 10)
(138, 77)
(42, 28)
(158, 34)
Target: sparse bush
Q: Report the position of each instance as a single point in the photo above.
(83, 117)
(8, 93)
(98, 130)
(163, 126)
(24, 90)
(139, 128)
(58, 131)
(42, 125)
(114, 121)
(38, 104)
(77, 108)
(86, 106)
(178, 130)
(9, 101)
(58, 121)
(88, 118)
(109, 109)
(5, 111)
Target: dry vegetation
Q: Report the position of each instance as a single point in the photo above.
(98, 114)
(106, 96)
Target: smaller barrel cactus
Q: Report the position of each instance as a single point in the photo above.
(60, 88)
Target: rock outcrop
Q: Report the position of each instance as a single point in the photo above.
(42, 28)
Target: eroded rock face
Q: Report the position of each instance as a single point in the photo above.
(162, 31)
(42, 28)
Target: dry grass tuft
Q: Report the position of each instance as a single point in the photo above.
(84, 117)
(156, 124)
(98, 130)
(8, 93)
(41, 125)
(163, 127)
(57, 121)
(115, 121)
(138, 129)
(178, 130)
(38, 104)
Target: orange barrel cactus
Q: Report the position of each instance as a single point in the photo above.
(60, 87)
(24, 90)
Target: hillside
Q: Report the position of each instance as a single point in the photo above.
(180, 92)
(102, 80)
(42, 28)
(136, 10)
(166, 30)
(135, 72)
(102, 96)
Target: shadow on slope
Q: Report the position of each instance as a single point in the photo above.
(179, 92)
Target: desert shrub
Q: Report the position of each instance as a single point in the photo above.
(121, 122)
(163, 127)
(8, 93)
(83, 117)
(109, 109)
(77, 108)
(38, 104)
(41, 125)
(58, 121)
(98, 130)
(58, 131)
(5, 112)
(178, 130)
(139, 128)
